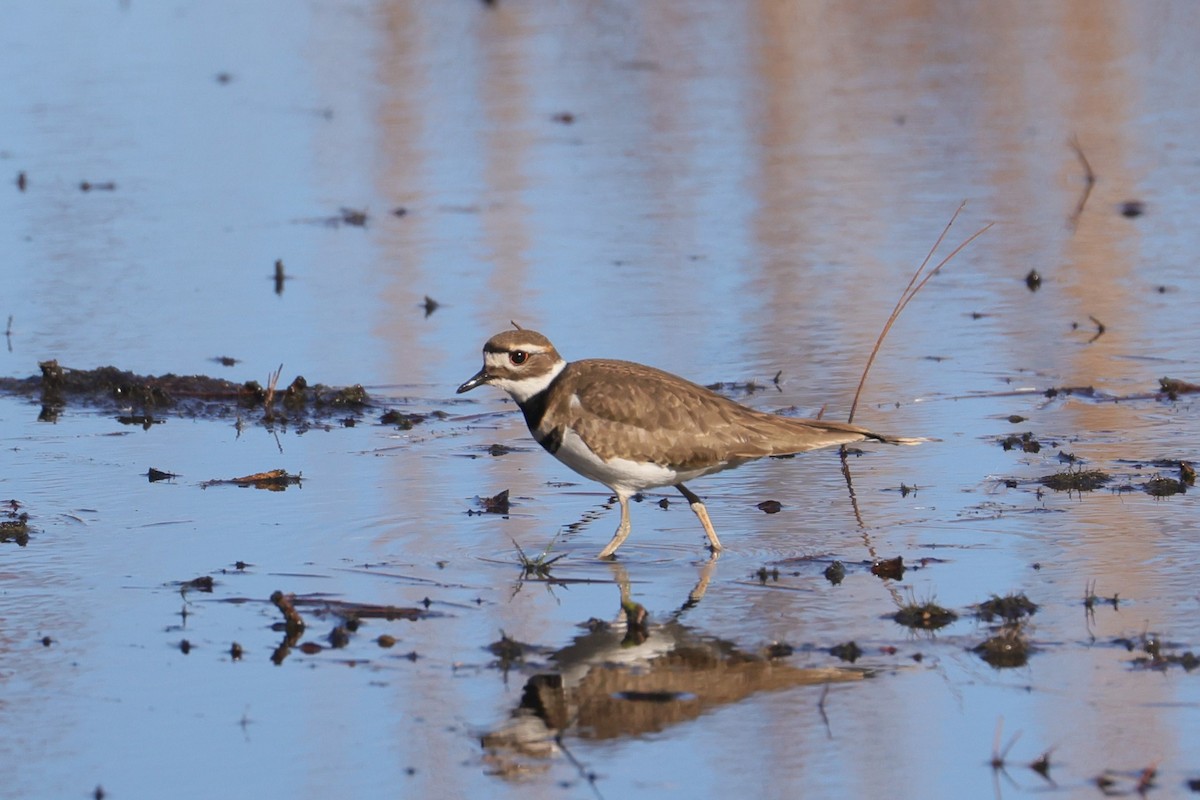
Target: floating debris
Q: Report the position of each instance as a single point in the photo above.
(926, 616)
(889, 568)
(275, 480)
(1026, 442)
(835, 572)
(1075, 480)
(763, 574)
(770, 506)
(144, 421)
(848, 652)
(204, 583)
(1010, 607)
(1008, 648)
(1159, 486)
(1172, 387)
(404, 422)
(1131, 209)
(14, 523)
(292, 621)
(185, 395)
(496, 504)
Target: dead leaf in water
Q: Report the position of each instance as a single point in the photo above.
(275, 480)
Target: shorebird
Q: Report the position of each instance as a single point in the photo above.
(633, 427)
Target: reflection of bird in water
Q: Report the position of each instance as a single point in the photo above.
(633, 676)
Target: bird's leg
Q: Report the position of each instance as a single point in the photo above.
(698, 506)
(622, 530)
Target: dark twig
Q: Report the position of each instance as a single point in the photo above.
(1089, 178)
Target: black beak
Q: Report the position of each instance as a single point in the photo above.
(478, 379)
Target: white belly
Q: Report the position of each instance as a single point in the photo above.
(621, 475)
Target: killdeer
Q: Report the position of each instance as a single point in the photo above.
(633, 427)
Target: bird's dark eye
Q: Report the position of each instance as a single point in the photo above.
(518, 357)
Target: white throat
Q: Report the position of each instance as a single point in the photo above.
(526, 386)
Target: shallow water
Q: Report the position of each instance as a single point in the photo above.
(739, 191)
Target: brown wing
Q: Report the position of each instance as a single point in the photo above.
(651, 415)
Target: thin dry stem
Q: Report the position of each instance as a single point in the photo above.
(915, 284)
(269, 401)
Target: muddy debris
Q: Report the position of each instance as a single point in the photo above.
(1131, 209)
(737, 387)
(293, 623)
(14, 524)
(401, 420)
(352, 613)
(1010, 608)
(889, 568)
(143, 421)
(1172, 387)
(762, 574)
(339, 637)
(204, 583)
(1155, 654)
(1025, 442)
(496, 504)
(1075, 480)
(1008, 648)
(1159, 486)
(191, 396)
(924, 616)
(777, 650)
(847, 651)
